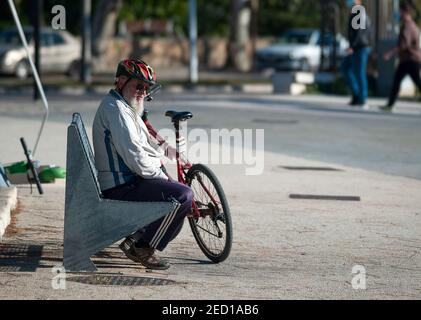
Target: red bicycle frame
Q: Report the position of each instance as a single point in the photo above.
(182, 167)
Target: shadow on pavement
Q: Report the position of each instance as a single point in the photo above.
(186, 261)
(20, 257)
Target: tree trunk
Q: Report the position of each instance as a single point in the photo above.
(240, 35)
(254, 30)
(104, 23)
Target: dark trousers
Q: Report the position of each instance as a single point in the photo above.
(160, 232)
(406, 67)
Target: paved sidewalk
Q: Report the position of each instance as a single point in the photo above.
(283, 248)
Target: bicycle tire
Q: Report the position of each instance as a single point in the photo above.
(201, 224)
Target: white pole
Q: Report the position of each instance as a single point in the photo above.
(34, 70)
(194, 64)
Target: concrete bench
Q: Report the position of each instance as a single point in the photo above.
(8, 200)
(91, 222)
(4, 181)
(294, 83)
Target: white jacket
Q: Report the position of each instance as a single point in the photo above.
(123, 147)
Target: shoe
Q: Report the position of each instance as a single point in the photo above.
(145, 256)
(126, 247)
(386, 108)
(364, 106)
(354, 101)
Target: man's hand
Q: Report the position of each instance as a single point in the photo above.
(164, 170)
(170, 152)
(387, 56)
(349, 51)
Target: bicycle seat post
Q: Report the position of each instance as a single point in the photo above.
(180, 148)
(176, 118)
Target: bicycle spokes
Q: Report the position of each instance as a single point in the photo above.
(210, 211)
(206, 190)
(210, 232)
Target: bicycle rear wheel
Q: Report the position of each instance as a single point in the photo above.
(213, 229)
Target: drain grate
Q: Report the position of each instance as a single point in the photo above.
(20, 257)
(9, 269)
(121, 281)
(275, 121)
(310, 168)
(324, 197)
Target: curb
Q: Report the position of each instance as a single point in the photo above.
(8, 202)
(245, 88)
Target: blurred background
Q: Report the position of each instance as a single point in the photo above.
(271, 65)
(218, 42)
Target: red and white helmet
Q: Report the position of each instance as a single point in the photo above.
(138, 69)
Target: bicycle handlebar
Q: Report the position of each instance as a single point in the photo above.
(154, 90)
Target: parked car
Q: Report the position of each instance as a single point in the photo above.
(299, 49)
(59, 53)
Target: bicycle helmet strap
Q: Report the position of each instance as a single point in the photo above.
(120, 91)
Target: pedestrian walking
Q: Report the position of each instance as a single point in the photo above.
(354, 67)
(409, 52)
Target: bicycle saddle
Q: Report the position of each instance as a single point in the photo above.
(179, 116)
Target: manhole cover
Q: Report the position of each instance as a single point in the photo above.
(309, 168)
(121, 281)
(323, 197)
(275, 121)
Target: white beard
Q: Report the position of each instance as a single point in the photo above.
(137, 105)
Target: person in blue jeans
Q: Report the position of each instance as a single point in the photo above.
(354, 67)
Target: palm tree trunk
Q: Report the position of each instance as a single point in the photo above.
(240, 35)
(104, 23)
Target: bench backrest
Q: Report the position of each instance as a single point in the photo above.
(86, 146)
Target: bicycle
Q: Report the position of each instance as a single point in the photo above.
(210, 217)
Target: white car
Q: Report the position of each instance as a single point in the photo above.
(299, 49)
(60, 52)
